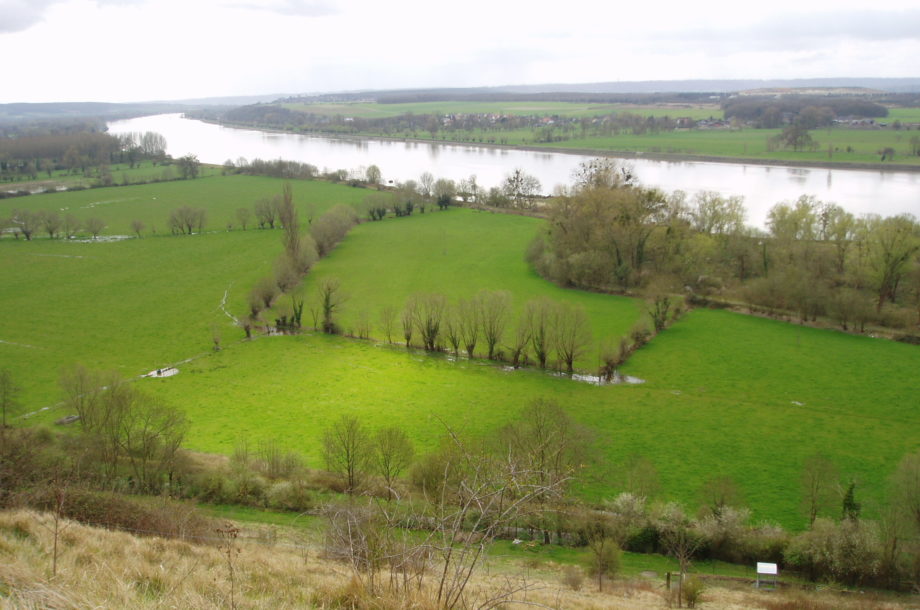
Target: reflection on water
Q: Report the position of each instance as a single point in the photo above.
(860, 192)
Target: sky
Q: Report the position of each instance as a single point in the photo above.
(143, 50)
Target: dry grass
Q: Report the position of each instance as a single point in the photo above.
(102, 568)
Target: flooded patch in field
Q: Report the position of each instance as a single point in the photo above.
(17, 344)
(94, 204)
(167, 372)
(617, 379)
(102, 239)
(57, 255)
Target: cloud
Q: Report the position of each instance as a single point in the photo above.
(18, 15)
(794, 31)
(290, 8)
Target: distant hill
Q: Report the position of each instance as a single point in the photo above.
(25, 112)
(892, 85)
(626, 91)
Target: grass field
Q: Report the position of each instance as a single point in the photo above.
(291, 388)
(725, 394)
(751, 144)
(152, 203)
(455, 253)
(121, 174)
(835, 145)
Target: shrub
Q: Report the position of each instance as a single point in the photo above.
(692, 590)
(846, 552)
(290, 495)
(160, 517)
(573, 577)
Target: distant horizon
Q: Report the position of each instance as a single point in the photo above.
(896, 85)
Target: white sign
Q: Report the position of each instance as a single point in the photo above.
(766, 568)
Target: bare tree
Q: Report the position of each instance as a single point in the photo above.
(539, 315)
(373, 175)
(242, 217)
(330, 228)
(640, 477)
(425, 185)
(129, 427)
(571, 334)
(393, 453)
(719, 493)
(186, 219)
(598, 532)
(137, 226)
(468, 324)
(427, 316)
(547, 442)
(388, 321)
(681, 539)
(287, 276)
(905, 483)
(70, 226)
(347, 451)
(287, 215)
(265, 291)
(26, 222)
(408, 321)
(493, 310)
(9, 393)
(521, 188)
(51, 222)
(452, 328)
(266, 211)
(517, 343)
(820, 481)
(94, 225)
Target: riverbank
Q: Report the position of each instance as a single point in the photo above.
(594, 152)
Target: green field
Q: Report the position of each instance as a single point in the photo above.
(752, 144)
(122, 174)
(725, 394)
(456, 253)
(835, 145)
(152, 203)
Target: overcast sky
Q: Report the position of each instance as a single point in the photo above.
(135, 50)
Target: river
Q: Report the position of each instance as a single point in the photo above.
(859, 191)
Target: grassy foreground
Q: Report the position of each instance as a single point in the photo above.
(102, 568)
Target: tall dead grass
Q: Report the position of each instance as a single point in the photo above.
(114, 569)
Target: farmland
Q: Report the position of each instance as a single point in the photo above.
(724, 394)
(574, 126)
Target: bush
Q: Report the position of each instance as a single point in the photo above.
(290, 495)
(846, 552)
(692, 590)
(115, 511)
(573, 577)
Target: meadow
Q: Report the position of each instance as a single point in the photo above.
(152, 203)
(835, 145)
(456, 253)
(724, 395)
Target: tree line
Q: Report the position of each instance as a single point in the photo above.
(815, 260)
(26, 157)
